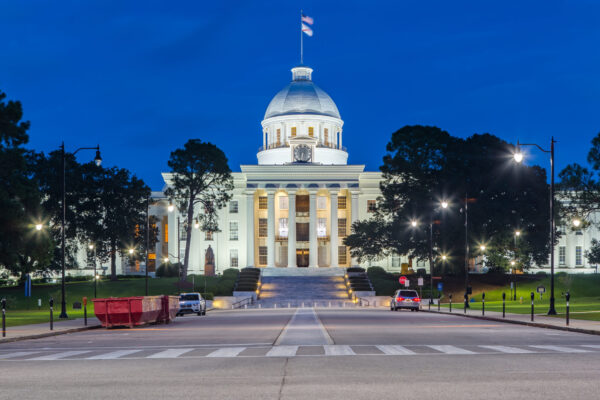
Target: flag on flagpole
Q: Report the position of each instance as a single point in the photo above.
(306, 29)
(307, 19)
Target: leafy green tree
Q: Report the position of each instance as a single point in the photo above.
(200, 177)
(425, 165)
(113, 213)
(21, 251)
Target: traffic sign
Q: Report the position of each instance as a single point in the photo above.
(402, 280)
(420, 281)
(440, 286)
(407, 283)
(541, 289)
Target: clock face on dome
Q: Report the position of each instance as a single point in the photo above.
(302, 153)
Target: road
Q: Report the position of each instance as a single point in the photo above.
(306, 354)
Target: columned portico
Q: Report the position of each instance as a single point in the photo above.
(313, 248)
(291, 229)
(271, 229)
(334, 229)
(250, 228)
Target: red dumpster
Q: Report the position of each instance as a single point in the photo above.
(170, 307)
(128, 311)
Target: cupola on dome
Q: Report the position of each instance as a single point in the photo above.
(302, 96)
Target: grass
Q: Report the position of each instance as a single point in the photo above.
(23, 310)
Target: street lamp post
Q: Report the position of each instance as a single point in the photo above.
(518, 156)
(514, 267)
(443, 205)
(466, 252)
(98, 161)
(147, 240)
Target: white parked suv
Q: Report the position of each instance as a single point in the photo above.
(191, 303)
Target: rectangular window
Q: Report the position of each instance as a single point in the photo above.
(578, 254)
(283, 203)
(371, 206)
(326, 136)
(562, 255)
(311, 131)
(302, 204)
(182, 232)
(278, 137)
(321, 203)
(342, 257)
(322, 227)
(233, 258)
(283, 227)
(262, 227)
(208, 235)
(262, 203)
(342, 227)
(302, 232)
(233, 230)
(233, 207)
(395, 261)
(342, 203)
(293, 131)
(262, 255)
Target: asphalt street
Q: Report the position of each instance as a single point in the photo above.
(306, 353)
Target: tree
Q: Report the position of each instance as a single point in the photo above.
(425, 165)
(113, 213)
(21, 251)
(201, 177)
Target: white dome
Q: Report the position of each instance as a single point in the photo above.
(302, 96)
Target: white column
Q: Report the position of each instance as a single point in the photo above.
(291, 229)
(340, 140)
(271, 230)
(313, 249)
(264, 140)
(333, 242)
(354, 218)
(250, 229)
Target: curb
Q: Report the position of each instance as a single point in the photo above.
(526, 323)
(49, 334)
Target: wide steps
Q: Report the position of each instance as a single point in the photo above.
(297, 289)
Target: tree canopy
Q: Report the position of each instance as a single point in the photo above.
(200, 177)
(424, 166)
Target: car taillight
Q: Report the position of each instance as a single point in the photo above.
(417, 299)
(400, 299)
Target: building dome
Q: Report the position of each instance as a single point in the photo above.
(302, 96)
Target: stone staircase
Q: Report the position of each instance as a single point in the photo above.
(303, 291)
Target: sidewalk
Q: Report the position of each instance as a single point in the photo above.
(35, 331)
(539, 320)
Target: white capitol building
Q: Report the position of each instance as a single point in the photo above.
(295, 207)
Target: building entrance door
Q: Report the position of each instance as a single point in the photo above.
(302, 258)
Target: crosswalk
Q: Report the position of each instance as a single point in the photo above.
(290, 351)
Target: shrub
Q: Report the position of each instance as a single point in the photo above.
(421, 271)
(168, 270)
(208, 296)
(377, 272)
(230, 273)
(541, 273)
(355, 269)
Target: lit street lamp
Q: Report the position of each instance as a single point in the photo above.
(38, 227)
(98, 161)
(443, 205)
(518, 156)
(576, 222)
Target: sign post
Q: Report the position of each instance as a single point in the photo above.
(541, 290)
(420, 284)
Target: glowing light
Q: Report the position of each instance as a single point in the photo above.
(444, 204)
(576, 222)
(413, 223)
(444, 257)
(91, 247)
(130, 251)
(97, 277)
(166, 259)
(196, 224)
(518, 156)
(512, 262)
(517, 233)
(38, 227)
(482, 247)
(170, 207)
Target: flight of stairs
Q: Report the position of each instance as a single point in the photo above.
(303, 291)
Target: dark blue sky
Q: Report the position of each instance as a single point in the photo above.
(141, 78)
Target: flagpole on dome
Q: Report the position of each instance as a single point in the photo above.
(301, 40)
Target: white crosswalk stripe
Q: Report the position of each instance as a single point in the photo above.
(562, 349)
(508, 349)
(451, 349)
(282, 351)
(170, 353)
(18, 354)
(113, 355)
(227, 352)
(58, 356)
(337, 350)
(293, 350)
(394, 350)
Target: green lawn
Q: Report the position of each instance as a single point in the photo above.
(21, 310)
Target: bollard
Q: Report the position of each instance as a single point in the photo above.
(503, 305)
(450, 302)
(329, 304)
(568, 297)
(483, 303)
(439, 301)
(532, 297)
(51, 314)
(288, 305)
(3, 317)
(302, 304)
(85, 311)
(466, 300)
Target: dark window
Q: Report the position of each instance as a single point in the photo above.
(262, 255)
(262, 227)
(302, 232)
(342, 203)
(262, 203)
(342, 227)
(371, 206)
(302, 203)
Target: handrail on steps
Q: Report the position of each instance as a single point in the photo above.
(244, 302)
